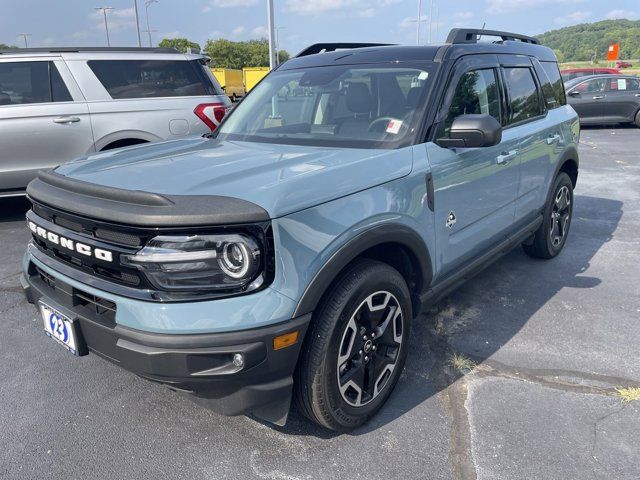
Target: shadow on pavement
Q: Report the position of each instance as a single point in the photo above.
(13, 208)
(485, 313)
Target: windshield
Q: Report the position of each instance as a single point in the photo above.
(360, 106)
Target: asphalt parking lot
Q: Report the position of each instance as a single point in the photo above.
(548, 344)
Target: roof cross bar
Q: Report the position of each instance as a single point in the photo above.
(332, 47)
(471, 35)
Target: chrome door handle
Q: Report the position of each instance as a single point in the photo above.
(66, 119)
(505, 157)
(551, 139)
(637, 94)
(598, 97)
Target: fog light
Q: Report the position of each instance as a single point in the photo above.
(238, 360)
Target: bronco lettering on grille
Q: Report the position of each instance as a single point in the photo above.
(81, 248)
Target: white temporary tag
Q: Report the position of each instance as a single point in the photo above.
(394, 126)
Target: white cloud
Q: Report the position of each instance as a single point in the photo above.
(229, 4)
(463, 15)
(261, 32)
(367, 13)
(574, 17)
(118, 18)
(312, 7)
(386, 3)
(410, 22)
(504, 6)
(174, 34)
(615, 14)
(238, 30)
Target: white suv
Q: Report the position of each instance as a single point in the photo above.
(61, 103)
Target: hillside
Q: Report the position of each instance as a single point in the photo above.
(580, 42)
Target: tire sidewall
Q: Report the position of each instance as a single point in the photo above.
(562, 180)
(342, 412)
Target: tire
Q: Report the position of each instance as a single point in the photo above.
(369, 298)
(637, 121)
(550, 238)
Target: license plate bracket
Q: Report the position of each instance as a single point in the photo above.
(62, 328)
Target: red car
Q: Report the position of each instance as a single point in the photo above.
(571, 73)
(623, 64)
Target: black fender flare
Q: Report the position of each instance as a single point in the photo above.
(569, 154)
(371, 237)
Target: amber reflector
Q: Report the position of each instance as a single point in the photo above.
(286, 340)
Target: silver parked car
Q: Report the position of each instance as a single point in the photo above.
(62, 103)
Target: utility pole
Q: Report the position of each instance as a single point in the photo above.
(106, 25)
(146, 4)
(418, 21)
(135, 8)
(24, 36)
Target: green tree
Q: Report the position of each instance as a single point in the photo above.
(591, 40)
(250, 53)
(6, 47)
(180, 44)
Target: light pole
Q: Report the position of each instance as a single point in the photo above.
(24, 36)
(106, 25)
(278, 44)
(146, 4)
(430, 19)
(135, 8)
(418, 22)
(271, 26)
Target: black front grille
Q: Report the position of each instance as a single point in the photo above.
(95, 307)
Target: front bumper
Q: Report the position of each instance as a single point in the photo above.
(199, 364)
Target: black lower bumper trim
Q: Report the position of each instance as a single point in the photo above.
(200, 364)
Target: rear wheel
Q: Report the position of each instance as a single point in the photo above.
(637, 122)
(356, 347)
(550, 238)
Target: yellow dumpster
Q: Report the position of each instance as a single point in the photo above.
(231, 81)
(252, 75)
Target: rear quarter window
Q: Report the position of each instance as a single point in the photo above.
(152, 78)
(552, 85)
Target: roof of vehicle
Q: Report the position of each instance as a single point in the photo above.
(98, 52)
(591, 69)
(460, 42)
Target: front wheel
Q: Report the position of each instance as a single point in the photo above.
(550, 238)
(356, 347)
(637, 121)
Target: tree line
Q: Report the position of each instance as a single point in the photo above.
(590, 41)
(228, 54)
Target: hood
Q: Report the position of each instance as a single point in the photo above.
(280, 178)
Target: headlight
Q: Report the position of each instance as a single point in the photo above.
(228, 262)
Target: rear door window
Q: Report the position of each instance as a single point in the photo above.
(524, 101)
(623, 84)
(152, 78)
(31, 82)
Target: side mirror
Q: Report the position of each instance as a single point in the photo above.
(574, 93)
(473, 131)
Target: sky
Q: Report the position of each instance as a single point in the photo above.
(300, 22)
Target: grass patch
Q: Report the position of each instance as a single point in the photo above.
(461, 363)
(628, 395)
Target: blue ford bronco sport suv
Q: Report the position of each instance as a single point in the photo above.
(286, 254)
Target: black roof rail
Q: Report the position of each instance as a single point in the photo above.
(471, 35)
(332, 47)
(88, 49)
